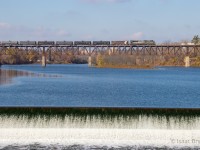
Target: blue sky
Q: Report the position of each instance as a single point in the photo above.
(159, 20)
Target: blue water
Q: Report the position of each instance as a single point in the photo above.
(78, 85)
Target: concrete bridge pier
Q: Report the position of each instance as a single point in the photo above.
(111, 50)
(43, 57)
(187, 61)
(89, 61)
(49, 53)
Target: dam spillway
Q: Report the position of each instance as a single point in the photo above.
(86, 128)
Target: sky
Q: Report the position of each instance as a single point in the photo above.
(70, 20)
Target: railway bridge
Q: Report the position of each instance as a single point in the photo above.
(187, 51)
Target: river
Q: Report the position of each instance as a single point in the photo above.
(76, 87)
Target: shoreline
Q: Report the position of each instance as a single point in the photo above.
(109, 66)
(125, 67)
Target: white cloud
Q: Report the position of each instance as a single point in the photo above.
(4, 25)
(137, 35)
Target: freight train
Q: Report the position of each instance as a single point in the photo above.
(75, 43)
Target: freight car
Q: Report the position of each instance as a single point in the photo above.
(142, 42)
(119, 42)
(28, 43)
(64, 43)
(46, 43)
(101, 42)
(82, 43)
(9, 43)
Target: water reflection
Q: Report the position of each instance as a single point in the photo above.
(6, 76)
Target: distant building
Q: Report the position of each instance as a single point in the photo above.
(187, 43)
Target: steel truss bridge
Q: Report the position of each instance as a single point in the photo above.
(173, 50)
(45, 51)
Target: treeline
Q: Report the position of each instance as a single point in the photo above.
(18, 56)
(21, 56)
(147, 61)
(58, 57)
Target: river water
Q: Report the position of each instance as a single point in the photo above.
(80, 86)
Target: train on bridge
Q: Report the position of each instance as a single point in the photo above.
(76, 43)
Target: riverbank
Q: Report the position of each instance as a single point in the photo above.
(19, 56)
(141, 62)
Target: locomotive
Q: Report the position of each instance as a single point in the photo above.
(144, 42)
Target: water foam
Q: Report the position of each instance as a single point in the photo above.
(108, 137)
(98, 121)
(97, 130)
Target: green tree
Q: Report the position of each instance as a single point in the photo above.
(196, 39)
(99, 60)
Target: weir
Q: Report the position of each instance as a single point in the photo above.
(86, 127)
(100, 110)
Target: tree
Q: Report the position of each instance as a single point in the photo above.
(196, 39)
(99, 60)
(32, 56)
